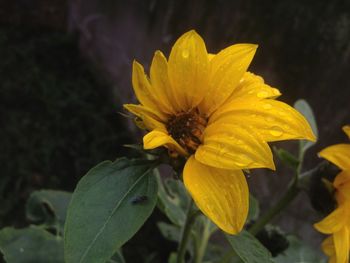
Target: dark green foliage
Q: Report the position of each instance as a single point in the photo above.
(49, 208)
(33, 244)
(298, 251)
(56, 120)
(41, 243)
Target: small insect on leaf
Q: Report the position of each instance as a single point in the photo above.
(139, 199)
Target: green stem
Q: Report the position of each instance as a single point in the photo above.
(288, 197)
(203, 242)
(291, 193)
(300, 165)
(185, 234)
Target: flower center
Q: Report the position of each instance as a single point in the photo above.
(187, 129)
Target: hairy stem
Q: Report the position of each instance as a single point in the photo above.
(185, 234)
(203, 242)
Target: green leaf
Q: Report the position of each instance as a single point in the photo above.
(248, 248)
(172, 257)
(304, 108)
(117, 257)
(48, 207)
(173, 199)
(254, 209)
(287, 158)
(110, 204)
(299, 252)
(32, 244)
(169, 231)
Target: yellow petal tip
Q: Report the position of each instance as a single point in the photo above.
(346, 129)
(136, 65)
(192, 31)
(272, 166)
(231, 230)
(312, 137)
(127, 107)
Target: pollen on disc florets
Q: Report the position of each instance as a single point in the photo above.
(187, 129)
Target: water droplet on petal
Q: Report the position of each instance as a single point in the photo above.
(276, 131)
(267, 106)
(243, 160)
(262, 94)
(185, 53)
(287, 127)
(275, 91)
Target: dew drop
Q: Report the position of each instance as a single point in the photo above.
(238, 142)
(275, 91)
(287, 127)
(262, 94)
(185, 53)
(276, 131)
(267, 106)
(243, 160)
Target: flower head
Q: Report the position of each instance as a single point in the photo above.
(337, 223)
(209, 109)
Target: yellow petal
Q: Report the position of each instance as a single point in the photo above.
(211, 56)
(188, 69)
(344, 189)
(341, 244)
(160, 83)
(342, 178)
(338, 154)
(143, 89)
(231, 146)
(346, 129)
(342, 184)
(332, 259)
(222, 195)
(226, 70)
(148, 117)
(333, 222)
(274, 120)
(252, 86)
(157, 138)
(328, 246)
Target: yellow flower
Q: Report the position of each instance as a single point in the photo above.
(337, 223)
(209, 109)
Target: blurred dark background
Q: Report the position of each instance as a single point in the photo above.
(65, 70)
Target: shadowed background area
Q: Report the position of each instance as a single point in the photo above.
(65, 72)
